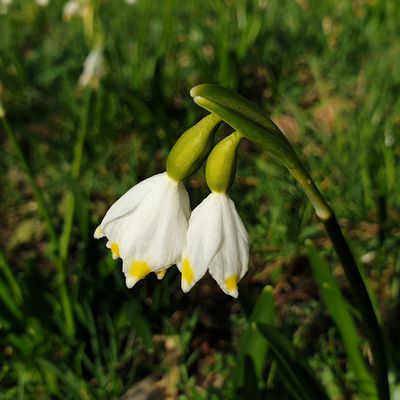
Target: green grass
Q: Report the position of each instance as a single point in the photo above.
(327, 72)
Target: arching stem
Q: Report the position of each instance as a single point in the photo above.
(255, 125)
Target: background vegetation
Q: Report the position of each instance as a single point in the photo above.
(328, 74)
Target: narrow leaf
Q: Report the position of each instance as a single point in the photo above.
(339, 310)
(296, 375)
(253, 344)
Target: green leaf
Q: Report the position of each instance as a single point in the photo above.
(253, 345)
(131, 316)
(339, 310)
(293, 370)
(10, 292)
(8, 300)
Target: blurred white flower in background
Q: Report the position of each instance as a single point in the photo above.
(131, 2)
(4, 4)
(75, 8)
(71, 9)
(93, 69)
(42, 3)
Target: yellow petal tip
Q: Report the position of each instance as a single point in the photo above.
(231, 283)
(115, 250)
(98, 233)
(187, 271)
(139, 269)
(161, 274)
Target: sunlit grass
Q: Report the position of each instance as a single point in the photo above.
(327, 74)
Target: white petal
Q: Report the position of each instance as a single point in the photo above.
(203, 239)
(231, 262)
(147, 227)
(160, 274)
(156, 231)
(131, 199)
(98, 233)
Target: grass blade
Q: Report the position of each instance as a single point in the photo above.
(253, 345)
(339, 310)
(295, 374)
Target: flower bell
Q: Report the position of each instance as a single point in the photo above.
(217, 240)
(93, 69)
(147, 226)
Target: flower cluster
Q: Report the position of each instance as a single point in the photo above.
(151, 227)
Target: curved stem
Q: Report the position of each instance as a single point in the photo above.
(360, 293)
(255, 125)
(357, 285)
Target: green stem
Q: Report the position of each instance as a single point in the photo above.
(75, 171)
(357, 285)
(353, 275)
(9, 276)
(360, 293)
(44, 212)
(43, 207)
(246, 118)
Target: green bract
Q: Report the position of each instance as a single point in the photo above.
(254, 124)
(192, 148)
(221, 163)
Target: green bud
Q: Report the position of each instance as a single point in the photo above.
(221, 163)
(191, 149)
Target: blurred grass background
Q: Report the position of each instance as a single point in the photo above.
(328, 74)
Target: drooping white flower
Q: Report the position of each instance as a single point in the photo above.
(93, 69)
(216, 241)
(42, 3)
(75, 8)
(4, 4)
(72, 8)
(147, 227)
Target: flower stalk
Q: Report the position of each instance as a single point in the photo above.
(255, 125)
(70, 199)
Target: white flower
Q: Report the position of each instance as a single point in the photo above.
(75, 8)
(216, 240)
(72, 9)
(147, 227)
(93, 69)
(4, 4)
(42, 3)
